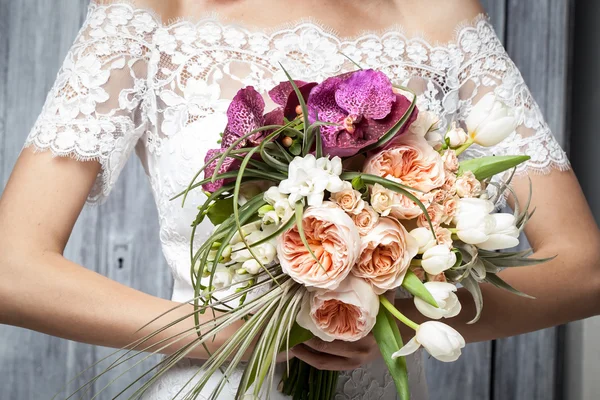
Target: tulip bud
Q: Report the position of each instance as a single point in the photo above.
(443, 342)
(424, 237)
(504, 234)
(490, 121)
(456, 136)
(438, 259)
(443, 293)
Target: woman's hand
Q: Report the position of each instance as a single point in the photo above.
(337, 355)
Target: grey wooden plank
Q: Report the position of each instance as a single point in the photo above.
(471, 376)
(526, 366)
(39, 36)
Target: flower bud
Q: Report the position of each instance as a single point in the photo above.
(438, 259)
(490, 121)
(456, 136)
(252, 266)
(424, 237)
(443, 342)
(443, 293)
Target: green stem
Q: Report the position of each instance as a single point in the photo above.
(394, 311)
(416, 262)
(465, 146)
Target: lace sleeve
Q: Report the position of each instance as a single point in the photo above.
(487, 67)
(93, 111)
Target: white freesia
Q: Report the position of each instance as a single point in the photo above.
(222, 278)
(441, 341)
(425, 239)
(309, 178)
(280, 203)
(490, 121)
(347, 313)
(444, 295)
(252, 266)
(438, 259)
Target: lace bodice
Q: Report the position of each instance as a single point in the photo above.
(131, 81)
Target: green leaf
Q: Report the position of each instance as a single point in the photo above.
(486, 167)
(415, 287)
(500, 283)
(296, 149)
(220, 210)
(297, 335)
(472, 286)
(302, 106)
(388, 339)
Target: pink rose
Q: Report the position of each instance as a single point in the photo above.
(334, 240)
(411, 160)
(450, 208)
(347, 313)
(385, 257)
(468, 186)
(450, 160)
(365, 220)
(348, 199)
(436, 213)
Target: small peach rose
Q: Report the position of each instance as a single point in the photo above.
(437, 278)
(450, 160)
(382, 199)
(444, 236)
(333, 239)
(450, 209)
(347, 313)
(348, 199)
(386, 253)
(468, 186)
(365, 220)
(436, 213)
(411, 160)
(449, 186)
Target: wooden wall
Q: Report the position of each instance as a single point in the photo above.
(34, 37)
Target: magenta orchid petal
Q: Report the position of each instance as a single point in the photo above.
(323, 107)
(280, 93)
(293, 103)
(367, 94)
(378, 127)
(245, 114)
(230, 164)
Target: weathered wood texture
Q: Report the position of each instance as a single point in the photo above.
(120, 239)
(537, 37)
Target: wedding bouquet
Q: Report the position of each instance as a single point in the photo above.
(326, 205)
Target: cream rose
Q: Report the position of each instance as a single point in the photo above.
(347, 313)
(450, 160)
(333, 239)
(411, 160)
(436, 213)
(348, 199)
(468, 186)
(365, 220)
(450, 209)
(385, 257)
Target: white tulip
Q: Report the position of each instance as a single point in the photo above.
(444, 295)
(440, 340)
(474, 227)
(438, 259)
(425, 239)
(504, 235)
(473, 204)
(456, 136)
(490, 121)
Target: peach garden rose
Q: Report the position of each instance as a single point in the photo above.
(385, 257)
(334, 240)
(347, 313)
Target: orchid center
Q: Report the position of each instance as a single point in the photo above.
(350, 122)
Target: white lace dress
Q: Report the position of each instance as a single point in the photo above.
(131, 81)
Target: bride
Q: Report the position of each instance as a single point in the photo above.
(134, 80)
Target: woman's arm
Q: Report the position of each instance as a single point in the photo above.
(565, 289)
(43, 291)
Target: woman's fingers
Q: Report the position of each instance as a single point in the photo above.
(323, 361)
(359, 349)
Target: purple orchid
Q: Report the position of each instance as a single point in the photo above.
(363, 105)
(285, 96)
(229, 164)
